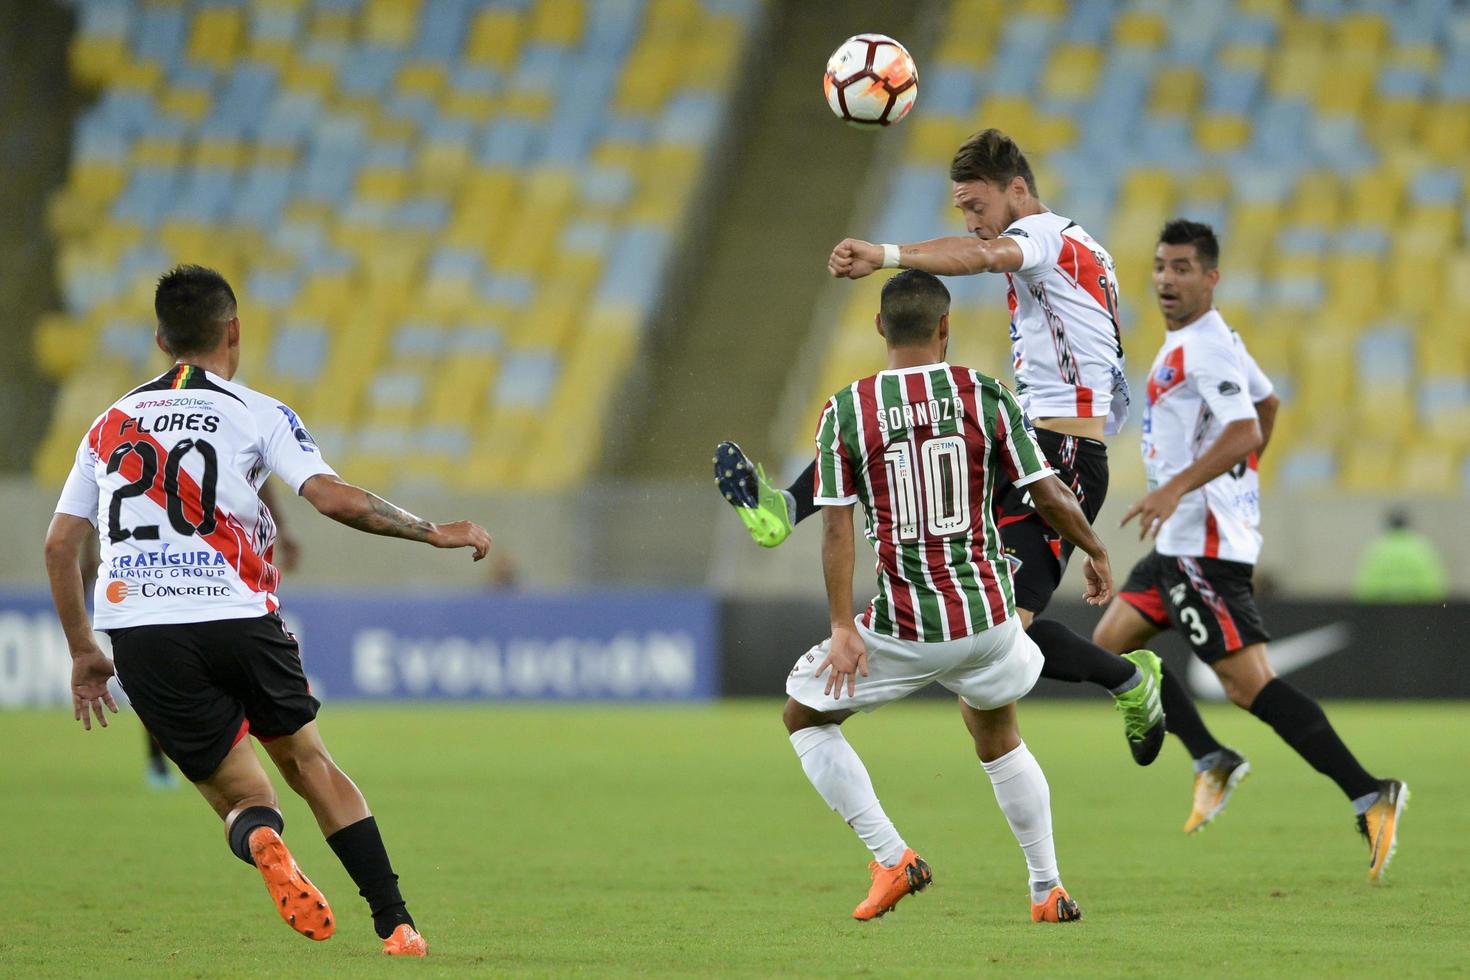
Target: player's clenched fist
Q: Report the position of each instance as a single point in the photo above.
(462, 534)
(854, 258)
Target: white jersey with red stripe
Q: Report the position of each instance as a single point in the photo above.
(171, 476)
(1202, 380)
(1066, 345)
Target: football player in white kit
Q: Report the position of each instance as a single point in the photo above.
(170, 476)
(1202, 439)
(1067, 355)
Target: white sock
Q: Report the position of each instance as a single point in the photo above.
(1025, 799)
(838, 774)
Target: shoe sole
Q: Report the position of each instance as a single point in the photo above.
(302, 905)
(738, 481)
(1234, 780)
(919, 875)
(1393, 841)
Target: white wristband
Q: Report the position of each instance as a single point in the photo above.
(890, 256)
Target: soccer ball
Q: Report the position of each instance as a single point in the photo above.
(871, 81)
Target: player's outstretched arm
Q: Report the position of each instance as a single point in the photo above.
(90, 667)
(846, 653)
(358, 508)
(1236, 441)
(952, 256)
(1058, 507)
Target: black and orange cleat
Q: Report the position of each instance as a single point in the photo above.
(405, 941)
(1380, 825)
(911, 874)
(1058, 907)
(300, 903)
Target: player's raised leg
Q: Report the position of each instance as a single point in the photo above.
(769, 514)
(350, 828)
(1133, 620)
(839, 776)
(1025, 799)
(241, 793)
(1250, 682)
(1037, 554)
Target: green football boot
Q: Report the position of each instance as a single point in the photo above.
(1143, 708)
(744, 485)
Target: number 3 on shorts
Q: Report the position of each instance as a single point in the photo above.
(1197, 632)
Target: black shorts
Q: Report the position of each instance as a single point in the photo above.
(201, 687)
(1210, 601)
(1037, 554)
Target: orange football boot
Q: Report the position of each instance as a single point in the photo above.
(1058, 907)
(300, 903)
(910, 874)
(1380, 825)
(405, 941)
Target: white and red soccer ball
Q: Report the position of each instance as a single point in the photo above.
(871, 81)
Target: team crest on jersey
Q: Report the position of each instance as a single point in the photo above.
(299, 430)
(1178, 594)
(1167, 376)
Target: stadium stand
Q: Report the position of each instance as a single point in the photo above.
(418, 201)
(1326, 142)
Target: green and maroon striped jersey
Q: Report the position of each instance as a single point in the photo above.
(920, 449)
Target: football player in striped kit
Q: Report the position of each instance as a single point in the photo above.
(922, 446)
(1067, 354)
(1209, 415)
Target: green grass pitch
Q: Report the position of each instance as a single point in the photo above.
(685, 841)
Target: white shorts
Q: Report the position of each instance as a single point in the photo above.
(989, 669)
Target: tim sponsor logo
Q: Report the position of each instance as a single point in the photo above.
(652, 664)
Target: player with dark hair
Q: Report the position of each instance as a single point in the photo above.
(921, 445)
(170, 477)
(1068, 358)
(1209, 415)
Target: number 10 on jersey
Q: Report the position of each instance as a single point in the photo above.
(939, 496)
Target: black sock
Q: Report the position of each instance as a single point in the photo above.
(157, 761)
(1068, 657)
(1301, 724)
(246, 821)
(360, 848)
(804, 489)
(1182, 718)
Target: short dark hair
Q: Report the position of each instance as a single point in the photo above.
(193, 304)
(912, 303)
(1182, 231)
(991, 156)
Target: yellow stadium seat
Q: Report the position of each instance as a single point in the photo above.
(385, 184)
(391, 23)
(1344, 89)
(962, 43)
(317, 78)
(1457, 285)
(477, 107)
(934, 139)
(191, 104)
(712, 57)
(1446, 132)
(425, 78)
(1361, 33)
(215, 36)
(1176, 91)
(558, 22)
(1140, 28)
(1392, 123)
(1429, 469)
(158, 151)
(1372, 468)
(1221, 133)
(1431, 230)
(331, 24)
(94, 60)
(648, 76)
(1072, 71)
(495, 38)
(1247, 57)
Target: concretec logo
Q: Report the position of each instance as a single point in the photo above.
(117, 591)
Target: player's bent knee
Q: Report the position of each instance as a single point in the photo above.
(796, 716)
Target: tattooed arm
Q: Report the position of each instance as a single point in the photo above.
(358, 508)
